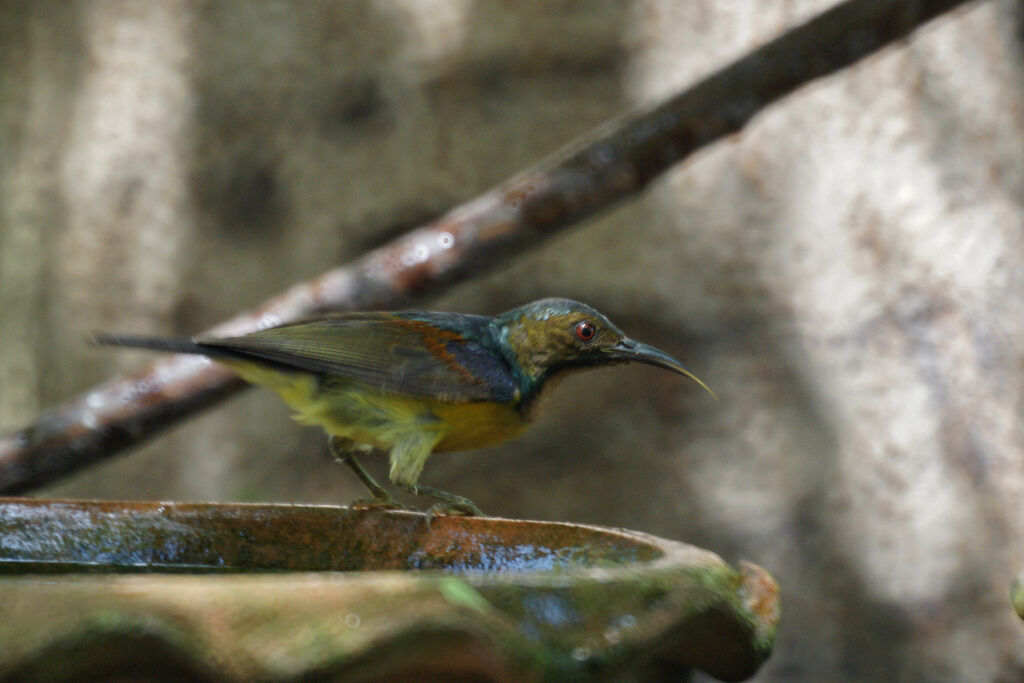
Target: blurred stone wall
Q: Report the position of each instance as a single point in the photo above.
(844, 273)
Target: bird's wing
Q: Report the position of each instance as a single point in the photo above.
(392, 352)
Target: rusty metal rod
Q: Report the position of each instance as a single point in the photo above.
(614, 162)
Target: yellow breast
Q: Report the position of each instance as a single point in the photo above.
(477, 425)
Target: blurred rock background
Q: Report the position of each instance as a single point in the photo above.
(845, 273)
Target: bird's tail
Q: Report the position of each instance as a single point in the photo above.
(173, 344)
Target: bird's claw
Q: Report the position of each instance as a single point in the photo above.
(463, 509)
(380, 504)
(447, 503)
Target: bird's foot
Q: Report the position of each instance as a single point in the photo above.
(386, 503)
(448, 503)
(466, 509)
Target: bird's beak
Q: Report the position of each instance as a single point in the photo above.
(629, 350)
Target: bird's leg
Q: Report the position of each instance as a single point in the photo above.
(342, 451)
(408, 455)
(448, 503)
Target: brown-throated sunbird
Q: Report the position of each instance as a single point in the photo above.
(419, 382)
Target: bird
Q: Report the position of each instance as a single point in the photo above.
(413, 383)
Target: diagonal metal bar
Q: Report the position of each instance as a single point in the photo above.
(612, 163)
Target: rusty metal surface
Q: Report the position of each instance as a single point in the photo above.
(613, 163)
(91, 590)
(62, 536)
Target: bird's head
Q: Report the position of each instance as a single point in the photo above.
(551, 335)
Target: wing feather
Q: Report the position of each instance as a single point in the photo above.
(414, 354)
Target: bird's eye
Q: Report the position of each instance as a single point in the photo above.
(585, 330)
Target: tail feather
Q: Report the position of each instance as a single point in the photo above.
(173, 344)
(188, 345)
